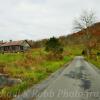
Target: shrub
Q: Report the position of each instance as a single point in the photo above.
(54, 47)
(2, 66)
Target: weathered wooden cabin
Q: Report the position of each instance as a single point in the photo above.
(15, 46)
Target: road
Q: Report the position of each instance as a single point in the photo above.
(79, 81)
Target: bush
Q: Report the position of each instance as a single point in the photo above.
(98, 53)
(2, 66)
(54, 47)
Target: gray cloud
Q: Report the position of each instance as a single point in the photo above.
(37, 19)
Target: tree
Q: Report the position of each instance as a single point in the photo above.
(54, 46)
(83, 23)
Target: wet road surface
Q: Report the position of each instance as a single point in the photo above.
(79, 81)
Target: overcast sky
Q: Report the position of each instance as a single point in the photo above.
(37, 19)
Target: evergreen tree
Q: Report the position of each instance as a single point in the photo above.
(53, 45)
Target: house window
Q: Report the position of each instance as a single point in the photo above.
(13, 48)
(21, 48)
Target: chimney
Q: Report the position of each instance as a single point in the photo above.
(10, 40)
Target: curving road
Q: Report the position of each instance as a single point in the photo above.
(79, 81)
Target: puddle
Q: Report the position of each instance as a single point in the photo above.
(86, 84)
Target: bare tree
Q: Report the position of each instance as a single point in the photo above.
(83, 23)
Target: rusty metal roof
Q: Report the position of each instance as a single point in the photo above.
(1, 43)
(13, 43)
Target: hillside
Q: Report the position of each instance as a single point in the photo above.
(94, 30)
(77, 38)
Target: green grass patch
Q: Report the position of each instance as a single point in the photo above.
(75, 50)
(95, 62)
(52, 66)
(10, 57)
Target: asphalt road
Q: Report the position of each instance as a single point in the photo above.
(79, 81)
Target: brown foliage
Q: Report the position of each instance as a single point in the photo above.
(2, 66)
(54, 56)
(29, 60)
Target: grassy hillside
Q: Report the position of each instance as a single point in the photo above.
(31, 67)
(78, 37)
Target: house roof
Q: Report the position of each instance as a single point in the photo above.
(1, 43)
(13, 43)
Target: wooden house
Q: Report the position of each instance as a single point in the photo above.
(15, 46)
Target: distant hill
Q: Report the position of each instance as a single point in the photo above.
(94, 29)
(77, 38)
